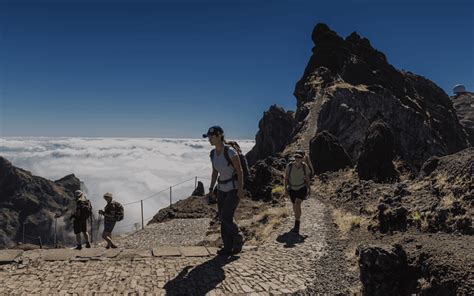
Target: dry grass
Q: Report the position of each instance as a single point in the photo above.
(266, 222)
(447, 200)
(346, 221)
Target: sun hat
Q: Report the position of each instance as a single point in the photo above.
(108, 194)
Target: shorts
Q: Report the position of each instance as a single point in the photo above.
(109, 226)
(79, 225)
(300, 193)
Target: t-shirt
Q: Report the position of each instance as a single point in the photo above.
(225, 169)
(297, 176)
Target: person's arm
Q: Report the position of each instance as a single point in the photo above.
(213, 179)
(306, 178)
(240, 176)
(286, 181)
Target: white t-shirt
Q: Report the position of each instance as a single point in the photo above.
(225, 169)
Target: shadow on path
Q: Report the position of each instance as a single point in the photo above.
(290, 239)
(200, 279)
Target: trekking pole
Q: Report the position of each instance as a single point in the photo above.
(92, 228)
(141, 203)
(55, 231)
(40, 242)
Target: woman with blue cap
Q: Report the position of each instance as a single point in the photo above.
(227, 171)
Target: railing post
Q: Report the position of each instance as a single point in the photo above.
(55, 231)
(92, 229)
(143, 225)
(171, 202)
(195, 182)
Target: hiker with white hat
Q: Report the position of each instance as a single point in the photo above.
(112, 213)
(297, 186)
(80, 216)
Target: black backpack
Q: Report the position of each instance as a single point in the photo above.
(243, 163)
(85, 208)
(119, 212)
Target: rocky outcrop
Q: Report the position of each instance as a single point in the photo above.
(327, 154)
(384, 271)
(275, 131)
(375, 161)
(267, 175)
(349, 84)
(464, 105)
(32, 201)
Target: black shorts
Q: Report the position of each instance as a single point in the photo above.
(109, 226)
(300, 193)
(79, 225)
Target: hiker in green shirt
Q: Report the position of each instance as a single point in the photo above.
(297, 186)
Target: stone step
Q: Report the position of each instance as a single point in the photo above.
(11, 256)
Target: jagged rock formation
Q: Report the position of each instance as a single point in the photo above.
(348, 84)
(375, 161)
(464, 105)
(267, 174)
(199, 191)
(327, 154)
(275, 131)
(33, 201)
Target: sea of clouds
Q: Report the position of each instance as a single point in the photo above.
(131, 168)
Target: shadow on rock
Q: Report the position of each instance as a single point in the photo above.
(200, 279)
(290, 239)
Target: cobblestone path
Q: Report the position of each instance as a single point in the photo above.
(282, 265)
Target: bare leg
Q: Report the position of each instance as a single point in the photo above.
(297, 209)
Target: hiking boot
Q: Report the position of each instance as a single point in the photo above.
(78, 247)
(88, 245)
(224, 252)
(296, 228)
(113, 246)
(238, 245)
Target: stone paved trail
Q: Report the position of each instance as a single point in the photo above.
(280, 266)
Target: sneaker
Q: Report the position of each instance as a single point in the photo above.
(88, 245)
(79, 247)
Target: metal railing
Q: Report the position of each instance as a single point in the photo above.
(95, 223)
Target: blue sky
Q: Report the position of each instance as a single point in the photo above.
(173, 68)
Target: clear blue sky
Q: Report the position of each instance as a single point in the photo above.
(173, 68)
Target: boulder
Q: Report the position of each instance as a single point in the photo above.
(326, 154)
(375, 161)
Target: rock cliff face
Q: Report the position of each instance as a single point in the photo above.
(275, 132)
(464, 105)
(33, 201)
(348, 84)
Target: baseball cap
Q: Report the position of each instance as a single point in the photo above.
(108, 194)
(213, 130)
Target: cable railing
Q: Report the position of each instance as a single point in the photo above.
(95, 224)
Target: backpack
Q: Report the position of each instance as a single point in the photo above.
(291, 167)
(119, 212)
(243, 163)
(85, 208)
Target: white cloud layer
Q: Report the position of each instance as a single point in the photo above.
(131, 168)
